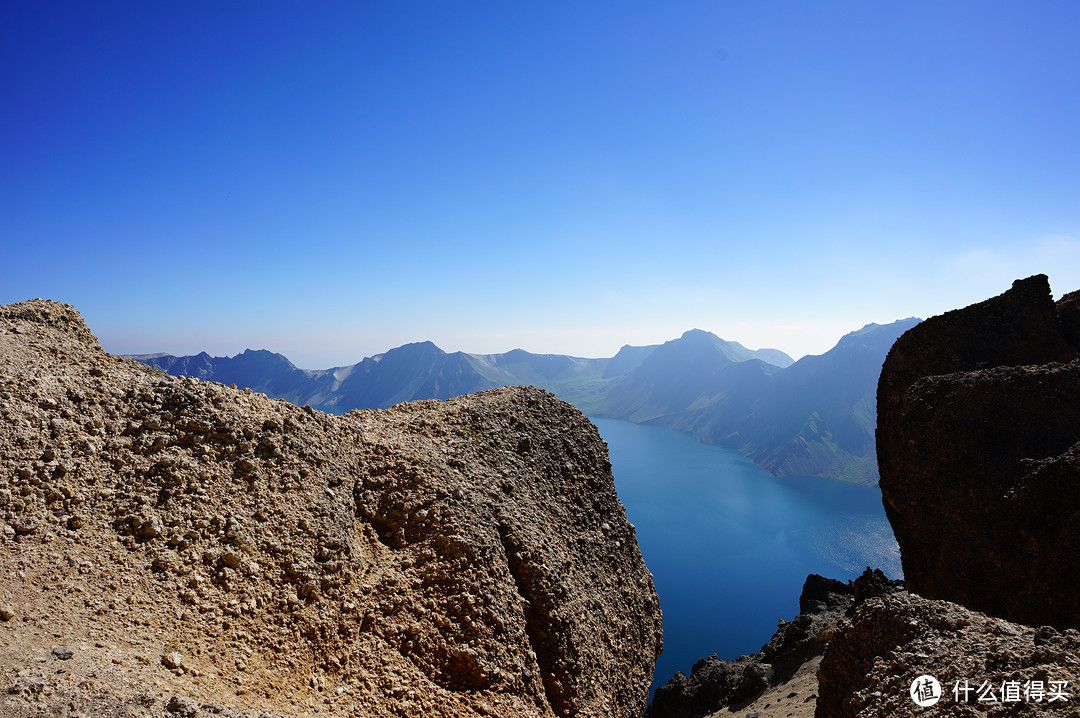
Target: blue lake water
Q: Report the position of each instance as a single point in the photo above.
(730, 545)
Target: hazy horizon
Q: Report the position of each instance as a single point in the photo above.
(332, 181)
(351, 362)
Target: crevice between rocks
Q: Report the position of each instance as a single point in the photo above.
(535, 620)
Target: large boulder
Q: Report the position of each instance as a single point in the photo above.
(978, 442)
(189, 549)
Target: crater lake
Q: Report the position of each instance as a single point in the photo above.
(730, 545)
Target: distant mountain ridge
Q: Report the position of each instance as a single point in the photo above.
(815, 416)
(413, 371)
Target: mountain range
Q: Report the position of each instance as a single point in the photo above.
(812, 417)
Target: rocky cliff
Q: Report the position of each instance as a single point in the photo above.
(175, 546)
(979, 445)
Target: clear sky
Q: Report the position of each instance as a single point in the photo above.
(333, 179)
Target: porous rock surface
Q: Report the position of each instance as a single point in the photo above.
(177, 547)
(978, 442)
(985, 666)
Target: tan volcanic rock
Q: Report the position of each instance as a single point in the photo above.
(176, 547)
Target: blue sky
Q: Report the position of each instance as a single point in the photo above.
(329, 180)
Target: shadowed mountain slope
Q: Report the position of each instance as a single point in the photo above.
(814, 417)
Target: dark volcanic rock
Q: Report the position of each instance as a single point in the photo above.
(873, 659)
(715, 684)
(979, 447)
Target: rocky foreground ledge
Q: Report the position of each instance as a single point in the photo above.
(176, 547)
(782, 675)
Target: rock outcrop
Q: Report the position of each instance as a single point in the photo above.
(719, 686)
(177, 547)
(984, 666)
(979, 449)
(979, 446)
